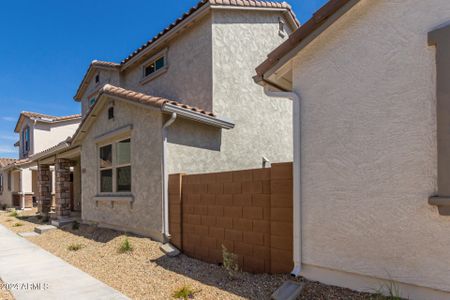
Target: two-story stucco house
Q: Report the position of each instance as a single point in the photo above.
(37, 132)
(372, 79)
(183, 102)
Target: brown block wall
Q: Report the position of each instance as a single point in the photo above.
(249, 212)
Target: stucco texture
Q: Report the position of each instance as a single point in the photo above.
(189, 73)
(369, 145)
(144, 215)
(240, 40)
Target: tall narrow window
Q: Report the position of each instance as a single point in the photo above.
(26, 140)
(1, 183)
(115, 167)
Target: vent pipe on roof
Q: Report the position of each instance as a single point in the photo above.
(297, 224)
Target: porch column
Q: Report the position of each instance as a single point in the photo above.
(62, 187)
(44, 189)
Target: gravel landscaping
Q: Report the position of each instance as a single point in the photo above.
(145, 273)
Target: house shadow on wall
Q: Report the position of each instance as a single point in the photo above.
(246, 285)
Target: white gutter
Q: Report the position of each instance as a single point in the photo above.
(199, 117)
(165, 183)
(297, 251)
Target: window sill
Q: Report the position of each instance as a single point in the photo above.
(153, 76)
(443, 204)
(115, 199)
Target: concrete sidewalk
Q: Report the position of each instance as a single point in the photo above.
(25, 266)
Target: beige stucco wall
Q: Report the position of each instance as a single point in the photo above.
(188, 78)
(47, 135)
(6, 195)
(240, 40)
(106, 76)
(144, 215)
(369, 145)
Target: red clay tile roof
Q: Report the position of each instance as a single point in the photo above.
(147, 99)
(45, 117)
(235, 3)
(6, 161)
(49, 118)
(318, 18)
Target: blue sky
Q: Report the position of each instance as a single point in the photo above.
(47, 45)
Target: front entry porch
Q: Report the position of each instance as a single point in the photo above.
(65, 205)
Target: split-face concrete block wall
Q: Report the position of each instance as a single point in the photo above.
(62, 187)
(249, 212)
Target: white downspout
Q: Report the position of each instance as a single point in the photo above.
(165, 202)
(296, 176)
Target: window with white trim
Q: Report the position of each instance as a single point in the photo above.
(115, 167)
(26, 140)
(154, 66)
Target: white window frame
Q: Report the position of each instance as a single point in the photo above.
(151, 60)
(114, 166)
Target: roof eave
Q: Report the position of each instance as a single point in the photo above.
(198, 117)
(307, 33)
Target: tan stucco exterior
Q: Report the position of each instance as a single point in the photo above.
(369, 150)
(141, 212)
(209, 65)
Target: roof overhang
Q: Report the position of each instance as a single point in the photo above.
(91, 71)
(276, 70)
(160, 104)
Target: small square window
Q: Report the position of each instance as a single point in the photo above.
(97, 78)
(111, 113)
(154, 66)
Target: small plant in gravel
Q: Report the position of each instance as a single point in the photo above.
(74, 247)
(75, 225)
(8, 220)
(125, 246)
(391, 289)
(185, 292)
(39, 217)
(4, 206)
(230, 262)
(13, 214)
(17, 225)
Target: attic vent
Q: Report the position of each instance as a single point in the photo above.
(97, 78)
(111, 113)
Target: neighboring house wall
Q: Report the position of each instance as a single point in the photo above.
(263, 125)
(48, 135)
(369, 148)
(6, 195)
(143, 215)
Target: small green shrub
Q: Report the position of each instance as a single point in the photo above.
(74, 247)
(39, 217)
(185, 292)
(13, 214)
(391, 289)
(75, 225)
(125, 246)
(17, 225)
(230, 262)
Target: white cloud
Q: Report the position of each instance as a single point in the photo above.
(9, 119)
(7, 150)
(8, 137)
